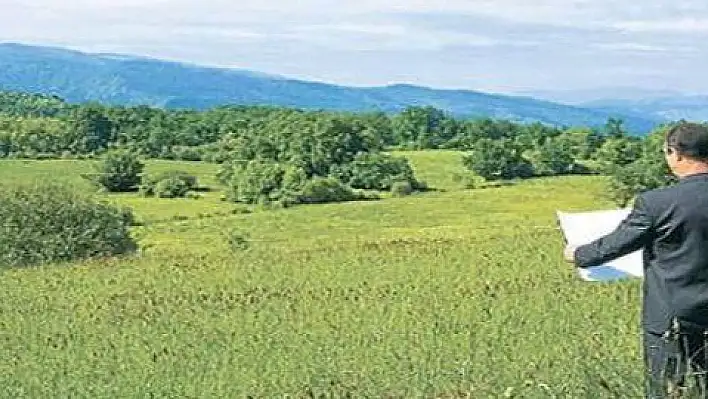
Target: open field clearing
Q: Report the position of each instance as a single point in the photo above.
(452, 293)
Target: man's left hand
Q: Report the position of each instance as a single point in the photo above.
(569, 253)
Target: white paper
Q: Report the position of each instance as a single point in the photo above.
(584, 227)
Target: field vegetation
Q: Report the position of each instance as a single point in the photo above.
(311, 255)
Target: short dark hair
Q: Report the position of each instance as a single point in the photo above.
(689, 139)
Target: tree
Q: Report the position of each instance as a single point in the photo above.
(614, 128)
(119, 171)
(423, 127)
(498, 160)
(375, 171)
(617, 152)
(554, 157)
(647, 172)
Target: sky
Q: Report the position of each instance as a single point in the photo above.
(502, 46)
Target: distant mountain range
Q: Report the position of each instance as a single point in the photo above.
(118, 79)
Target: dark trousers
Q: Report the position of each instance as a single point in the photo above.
(676, 362)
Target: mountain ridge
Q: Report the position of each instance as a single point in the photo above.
(125, 79)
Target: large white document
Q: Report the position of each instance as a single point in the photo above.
(584, 227)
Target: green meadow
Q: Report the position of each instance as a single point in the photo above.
(451, 293)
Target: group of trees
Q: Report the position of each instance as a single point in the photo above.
(273, 154)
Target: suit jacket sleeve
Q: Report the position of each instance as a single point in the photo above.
(632, 234)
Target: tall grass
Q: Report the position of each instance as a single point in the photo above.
(461, 293)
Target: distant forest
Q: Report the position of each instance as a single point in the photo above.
(322, 143)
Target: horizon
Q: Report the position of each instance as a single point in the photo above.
(503, 47)
(548, 95)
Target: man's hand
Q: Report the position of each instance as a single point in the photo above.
(569, 253)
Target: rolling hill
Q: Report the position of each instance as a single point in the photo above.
(118, 79)
(694, 107)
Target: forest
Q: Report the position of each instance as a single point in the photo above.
(270, 153)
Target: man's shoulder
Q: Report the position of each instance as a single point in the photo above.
(659, 195)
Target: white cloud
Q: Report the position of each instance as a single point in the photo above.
(638, 47)
(686, 25)
(384, 37)
(565, 42)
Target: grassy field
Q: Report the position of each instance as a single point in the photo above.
(451, 293)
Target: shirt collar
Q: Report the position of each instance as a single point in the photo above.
(696, 176)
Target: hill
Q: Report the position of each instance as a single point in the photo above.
(127, 80)
(694, 107)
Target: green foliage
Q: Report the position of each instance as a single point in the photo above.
(647, 172)
(169, 184)
(641, 175)
(552, 158)
(321, 296)
(48, 222)
(118, 171)
(423, 127)
(401, 189)
(375, 171)
(268, 182)
(498, 160)
(618, 152)
(321, 190)
(257, 181)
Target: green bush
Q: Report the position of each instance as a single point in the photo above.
(375, 171)
(170, 184)
(326, 189)
(255, 182)
(47, 222)
(401, 189)
(119, 171)
(552, 158)
(498, 160)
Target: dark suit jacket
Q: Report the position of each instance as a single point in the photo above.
(671, 225)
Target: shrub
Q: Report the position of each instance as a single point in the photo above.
(648, 172)
(375, 172)
(401, 189)
(255, 182)
(326, 189)
(171, 184)
(552, 158)
(119, 171)
(468, 180)
(47, 222)
(498, 160)
(187, 153)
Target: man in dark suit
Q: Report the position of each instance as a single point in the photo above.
(671, 225)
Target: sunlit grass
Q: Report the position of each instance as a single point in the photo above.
(461, 293)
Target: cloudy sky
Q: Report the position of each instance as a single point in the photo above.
(493, 45)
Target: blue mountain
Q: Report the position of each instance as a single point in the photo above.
(117, 79)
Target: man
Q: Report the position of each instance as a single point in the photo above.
(671, 225)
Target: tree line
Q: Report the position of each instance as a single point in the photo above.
(272, 153)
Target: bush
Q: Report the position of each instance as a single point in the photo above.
(171, 184)
(187, 153)
(48, 222)
(498, 160)
(468, 180)
(552, 158)
(255, 182)
(375, 172)
(321, 190)
(120, 171)
(648, 172)
(401, 189)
